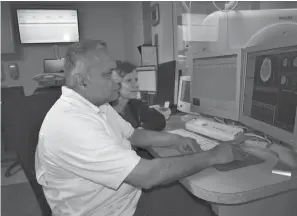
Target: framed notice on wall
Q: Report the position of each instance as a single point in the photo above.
(155, 14)
(149, 56)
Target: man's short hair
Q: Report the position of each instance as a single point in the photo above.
(77, 50)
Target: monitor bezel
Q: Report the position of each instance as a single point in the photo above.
(234, 114)
(182, 105)
(272, 131)
(46, 8)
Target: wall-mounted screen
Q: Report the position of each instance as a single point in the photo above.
(47, 26)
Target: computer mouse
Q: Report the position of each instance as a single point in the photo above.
(287, 156)
(256, 143)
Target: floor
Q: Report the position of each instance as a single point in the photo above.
(17, 197)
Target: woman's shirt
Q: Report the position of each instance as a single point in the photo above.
(139, 114)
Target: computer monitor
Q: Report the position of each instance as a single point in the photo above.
(216, 85)
(270, 92)
(147, 80)
(54, 65)
(184, 100)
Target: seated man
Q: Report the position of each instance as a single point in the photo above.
(84, 160)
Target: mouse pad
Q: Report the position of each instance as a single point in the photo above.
(248, 161)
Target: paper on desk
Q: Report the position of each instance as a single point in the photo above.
(282, 169)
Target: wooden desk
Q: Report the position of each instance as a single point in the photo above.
(249, 191)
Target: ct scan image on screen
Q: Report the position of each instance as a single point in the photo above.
(274, 91)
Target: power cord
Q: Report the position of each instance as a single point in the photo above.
(232, 4)
(188, 10)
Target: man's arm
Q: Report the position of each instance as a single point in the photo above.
(150, 173)
(145, 138)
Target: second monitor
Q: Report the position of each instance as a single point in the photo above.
(184, 101)
(216, 85)
(270, 92)
(54, 65)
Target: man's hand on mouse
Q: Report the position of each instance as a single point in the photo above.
(226, 153)
(222, 153)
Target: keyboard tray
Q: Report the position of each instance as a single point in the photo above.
(248, 161)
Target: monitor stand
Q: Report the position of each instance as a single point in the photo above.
(248, 161)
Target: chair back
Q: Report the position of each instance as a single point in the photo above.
(37, 107)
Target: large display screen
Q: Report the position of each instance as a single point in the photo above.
(47, 26)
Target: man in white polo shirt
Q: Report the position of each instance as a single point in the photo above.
(84, 159)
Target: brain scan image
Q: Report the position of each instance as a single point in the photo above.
(265, 72)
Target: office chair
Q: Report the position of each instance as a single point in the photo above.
(36, 107)
(11, 99)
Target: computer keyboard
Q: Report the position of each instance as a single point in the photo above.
(213, 130)
(205, 143)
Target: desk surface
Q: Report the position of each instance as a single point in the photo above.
(236, 186)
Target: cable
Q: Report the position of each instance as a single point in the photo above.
(190, 7)
(226, 6)
(222, 121)
(226, 9)
(189, 27)
(216, 6)
(185, 6)
(230, 4)
(260, 137)
(58, 52)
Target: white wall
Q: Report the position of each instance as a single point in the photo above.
(117, 23)
(133, 31)
(165, 32)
